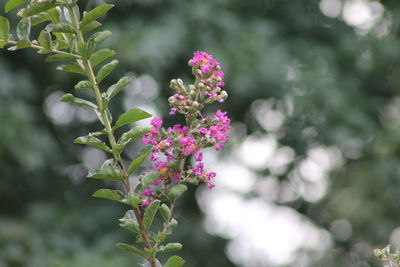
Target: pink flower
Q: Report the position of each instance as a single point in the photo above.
(203, 130)
(156, 122)
(199, 157)
(147, 192)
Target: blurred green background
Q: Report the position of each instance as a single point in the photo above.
(311, 175)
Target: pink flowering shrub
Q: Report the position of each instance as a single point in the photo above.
(173, 145)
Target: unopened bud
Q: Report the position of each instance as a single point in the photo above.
(195, 104)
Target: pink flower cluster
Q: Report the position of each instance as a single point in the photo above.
(217, 133)
(171, 146)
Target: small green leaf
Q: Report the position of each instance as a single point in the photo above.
(170, 247)
(82, 85)
(140, 158)
(148, 179)
(11, 4)
(115, 195)
(165, 212)
(69, 98)
(86, 49)
(116, 88)
(92, 141)
(134, 134)
(61, 27)
(54, 14)
(90, 27)
(20, 45)
(131, 200)
(106, 70)
(37, 7)
(100, 37)
(60, 57)
(176, 191)
(24, 29)
(40, 18)
(4, 28)
(95, 14)
(101, 55)
(44, 40)
(73, 68)
(174, 164)
(175, 261)
(130, 116)
(132, 249)
(149, 214)
(129, 222)
(109, 171)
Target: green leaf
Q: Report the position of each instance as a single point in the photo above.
(106, 70)
(24, 29)
(95, 14)
(132, 249)
(175, 261)
(54, 14)
(44, 40)
(170, 247)
(11, 4)
(134, 134)
(129, 222)
(148, 179)
(165, 212)
(4, 28)
(60, 57)
(61, 27)
(115, 195)
(131, 200)
(86, 49)
(149, 214)
(176, 191)
(140, 158)
(82, 85)
(92, 141)
(130, 116)
(109, 171)
(40, 18)
(101, 55)
(69, 98)
(37, 7)
(73, 68)
(100, 37)
(116, 88)
(20, 45)
(90, 27)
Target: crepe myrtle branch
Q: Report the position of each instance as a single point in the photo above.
(67, 36)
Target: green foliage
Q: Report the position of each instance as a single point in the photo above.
(129, 222)
(176, 191)
(130, 116)
(94, 14)
(115, 195)
(61, 27)
(114, 89)
(139, 159)
(174, 261)
(170, 247)
(148, 179)
(109, 171)
(149, 214)
(92, 141)
(69, 98)
(11, 4)
(37, 7)
(165, 212)
(73, 68)
(24, 29)
(106, 70)
(100, 55)
(132, 249)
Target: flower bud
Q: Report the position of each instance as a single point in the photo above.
(195, 104)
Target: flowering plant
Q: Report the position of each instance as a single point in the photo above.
(64, 40)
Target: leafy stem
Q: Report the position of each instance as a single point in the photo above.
(103, 110)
